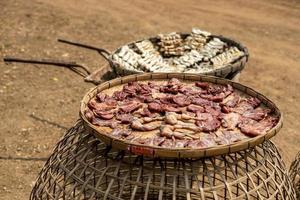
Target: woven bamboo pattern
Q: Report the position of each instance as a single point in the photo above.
(153, 151)
(295, 174)
(82, 167)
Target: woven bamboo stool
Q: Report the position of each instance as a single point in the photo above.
(295, 174)
(82, 167)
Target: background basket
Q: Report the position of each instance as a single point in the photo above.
(82, 167)
(153, 151)
(227, 71)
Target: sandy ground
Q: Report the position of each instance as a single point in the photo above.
(270, 29)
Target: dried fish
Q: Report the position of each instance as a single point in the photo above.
(197, 52)
(212, 48)
(227, 57)
(171, 44)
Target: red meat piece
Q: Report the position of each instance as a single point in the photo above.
(253, 128)
(182, 100)
(195, 108)
(130, 107)
(202, 85)
(154, 106)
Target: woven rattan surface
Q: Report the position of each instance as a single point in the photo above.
(82, 167)
(295, 174)
(154, 151)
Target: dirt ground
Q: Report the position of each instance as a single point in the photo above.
(270, 29)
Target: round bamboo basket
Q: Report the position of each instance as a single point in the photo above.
(228, 71)
(82, 167)
(154, 151)
(295, 174)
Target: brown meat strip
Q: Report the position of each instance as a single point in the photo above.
(154, 107)
(229, 137)
(124, 118)
(230, 120)
(182, 100)
(231, 100)
(256, 114)
(201, 102)
(202, 85)
(172, 86)
(170, 108)
(101, 97)
(253, 128)
(120, 95)
(104, 114)
(203, 142)
(246, 105)
(207, 122)
(195, 108)
(130, 107)
(100, 122)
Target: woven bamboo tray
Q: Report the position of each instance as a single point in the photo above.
(228, 71)
(179, 152)
(82, 167)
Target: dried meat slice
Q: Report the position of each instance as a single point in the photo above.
(194, 108)
(203, 142)
(256, 114)
(214, 110)
(181, 100)
(96, 105)
(155, 107)
(89, 114)
(124, 118)
(229, 137)
(173, 86)
(202, 85)
(254, 128)
(109, 123)
(170, 108)
(120, 95)
(101, 97)
(147, 98)
(145, 112)
(231, 100)
(130, 107)
(189, 91)
(230, 120)
(201, 102)
(207, 122)
(246, 105)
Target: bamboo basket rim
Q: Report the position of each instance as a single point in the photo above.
(234, 66)
(156, 151)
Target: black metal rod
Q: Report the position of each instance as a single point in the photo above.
(85, 46)
(104, 53)
(70, 65)
(42, 61)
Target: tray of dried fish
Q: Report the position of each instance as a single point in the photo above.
(195, 52)
(179, 115)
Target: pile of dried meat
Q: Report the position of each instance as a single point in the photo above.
(179, 114)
